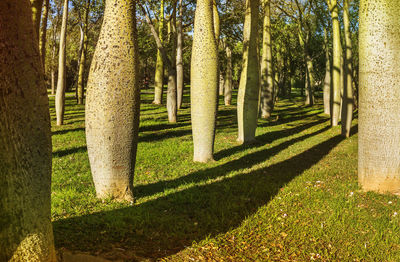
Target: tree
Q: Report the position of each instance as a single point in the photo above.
(82, 61)
(179, 57)
(348, 99)
(328, 79)
(228, 77)
(25, 144)
(36, 6)
(61, 82)
(337, 56)
(267, 82)
(43, 32)
(113, 103)
(379, 121)
(159, 74)
(204, 82)
(249, 79)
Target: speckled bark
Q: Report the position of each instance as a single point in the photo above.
(43, 32)
(61, 82)
(249, 80)
(82, 61)
(228, 77)
(179, 57)
(25, 144)
(36, 6)
(379, 121)
(337, 56)
(159, 74)
(112, 103)
(204, 79)
(267, 82)
(328, 78)
(348, 99)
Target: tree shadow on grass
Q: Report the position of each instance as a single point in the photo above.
(66, 152)
(65, 131)
(170, 223)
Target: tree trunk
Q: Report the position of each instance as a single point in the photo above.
(379, 121)
(179, 57)
(217, 31)
(335, 114)
(36, 6)
(267, 82)
(54, 50)
(82, 61)
(43, 33)
(61, 82)
(228, 77)
(172, 92)
(204, 79)
(113, 103)
(348, 99)
(327, 81)
(310, 81)
(25, 141)
(159, 75)
(249, 80)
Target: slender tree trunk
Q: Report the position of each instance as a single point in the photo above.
(61, 82)
(204, 79)
(54, 52)
(348, 99)
(113, 102)
(327, 80)
(228, 77)
(36, 6)
(43, 32)
(310, 81)
(267, 82)
(25, 141)
(249, 80)
(159, 75)
(179, 56)
(335, 114)
(217, 31)
(82, 61)
(172, 92)
(379, 121)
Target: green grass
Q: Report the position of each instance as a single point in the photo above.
(293, 195)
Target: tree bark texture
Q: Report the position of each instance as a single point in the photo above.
(249, 80)
(82, 61)
(172, 92)
(204, 82)
(159, 74)
(36, 6)
(379, 121)
(113, 102)
(179, 57)
(62, 78)
(25, 144)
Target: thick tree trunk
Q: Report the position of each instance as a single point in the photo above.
(36, 6)
(249, 80)
(337, 56)
(328, 79)
(379, 121)
(348, 99)
(25, 144)
(204, 79)
(82, 61)
(159, 74)
(179, 57)
(61, 82)
(228, 77)
(113, 102)
(267, 82)
(43, 32)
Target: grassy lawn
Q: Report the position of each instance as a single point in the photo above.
(292, 196)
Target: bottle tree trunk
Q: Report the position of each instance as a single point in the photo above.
(337, 56)
(310, 81)
(179, 57)
(328, 80)
(379, 121)
(159, 75)
(204, 82)
(348, 99)
(43, 33)
(36, 6)
(228, 77)
(82, 61)
(113, 102)
(54, 50)
(217, 31)
(267, 81)
(249, 80)
(25, 141)
(172, 92)
(61, 82)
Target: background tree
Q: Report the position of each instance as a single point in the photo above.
(159, 73)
